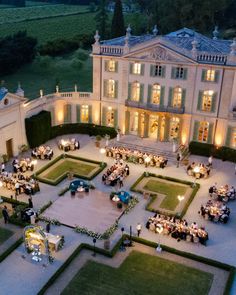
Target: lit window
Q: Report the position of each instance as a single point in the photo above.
(111, 66)
(203, 131)
(137, 68)
(111, 88)
(84, 113)
(156, 93)
(233, 138)
(207, 100)
(135, 91)
(177, 97)
(174, 127)
(210, 75)
(110, 118)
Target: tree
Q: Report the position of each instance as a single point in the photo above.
(102, 19)
(117, 26)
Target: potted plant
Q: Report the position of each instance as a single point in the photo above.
(98, 140)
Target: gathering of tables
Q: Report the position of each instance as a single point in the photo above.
(215, 211)
(121, 196)
(23, 164)
(177, 228)
(78, 186)
(115, 173)
(68, 144)
(223, 193)
(42, 152)
(198, 170)
(136, 156)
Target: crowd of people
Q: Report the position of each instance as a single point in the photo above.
(215, 211)
(136, 156)
(177, 228)
(19, 183)
(116, 173)
(223, 193)
(42, 152)
(199, 170)
(23, 165)
(68, 145)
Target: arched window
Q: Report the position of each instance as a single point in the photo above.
(177, 97)
(203, 131)
(110, 117)
(84, 113)
(174, 127)
(156, 93)
(136, 91)
(207, 100)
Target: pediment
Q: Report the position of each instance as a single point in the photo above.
(10, 99)
(159, 53)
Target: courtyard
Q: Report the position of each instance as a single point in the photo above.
(94, 214)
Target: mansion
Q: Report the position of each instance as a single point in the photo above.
(180, 86)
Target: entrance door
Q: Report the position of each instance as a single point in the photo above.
(9, 146)
(134, 123)
(153, 126)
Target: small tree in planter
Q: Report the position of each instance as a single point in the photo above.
(119, 205)
(98, 140)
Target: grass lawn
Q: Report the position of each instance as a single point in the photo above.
(34, 77)
(5, 234)
(66, 166)
(171, 191)
(140, 274)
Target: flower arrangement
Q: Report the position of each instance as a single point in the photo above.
(49, 220)
(44, 207)
(132, 203)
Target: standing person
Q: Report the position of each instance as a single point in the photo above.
(139, 228)
(48, 227)
(178, 160)
(3, 167)
(30, 202)
(5, 214)
(210, 161)
(121, 181)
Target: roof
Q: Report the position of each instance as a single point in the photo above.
(181, 39)
(3, 92)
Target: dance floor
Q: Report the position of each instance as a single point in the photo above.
(93, 210)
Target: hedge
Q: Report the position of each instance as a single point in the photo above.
(38, 128)
(10, 249)
(63, 176)
(206, 149)
(154, 196)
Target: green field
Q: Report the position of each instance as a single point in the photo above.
(170, 190)
(36, 76)
(13, 15)
(76, 167)
(5, 234)
(140, 274)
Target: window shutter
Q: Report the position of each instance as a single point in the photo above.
(127, 121)
(115, 118)
(195, 130)
(213, 103)
(183, 98)
(203, 79)
(116, 89)
(146, 126)
(90, 114)
(149, 98)
(106, 65)
(162, 95)
(142, 69)
(104, 112)
(78, 113)
(105, 84)
(69, 112)
(131, 68)
(141, 92)
(139, 124)
(185, 74)
(173, 71)
(167, 129)
(210, 133)
(52, 111)
(228, 136)
(163, 72)
(217, 75)
(152, 70)
(129, 91)
(199, 102)
(170, 97)
(65, 113)
(116, 66)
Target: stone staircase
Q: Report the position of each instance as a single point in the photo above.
(145, 148)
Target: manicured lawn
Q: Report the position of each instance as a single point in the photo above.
(34, 77)
(4, 234)
(171, 191)
(140, 274)
(67, 165)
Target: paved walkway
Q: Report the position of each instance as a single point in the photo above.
(18, 276)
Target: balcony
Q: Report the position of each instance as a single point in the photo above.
(153, 107)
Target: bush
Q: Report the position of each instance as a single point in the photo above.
(81, 54)
(58, 47)
(76, 64)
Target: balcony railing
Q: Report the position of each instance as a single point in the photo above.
(212, 58)
(112, 50)
(154, 107)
